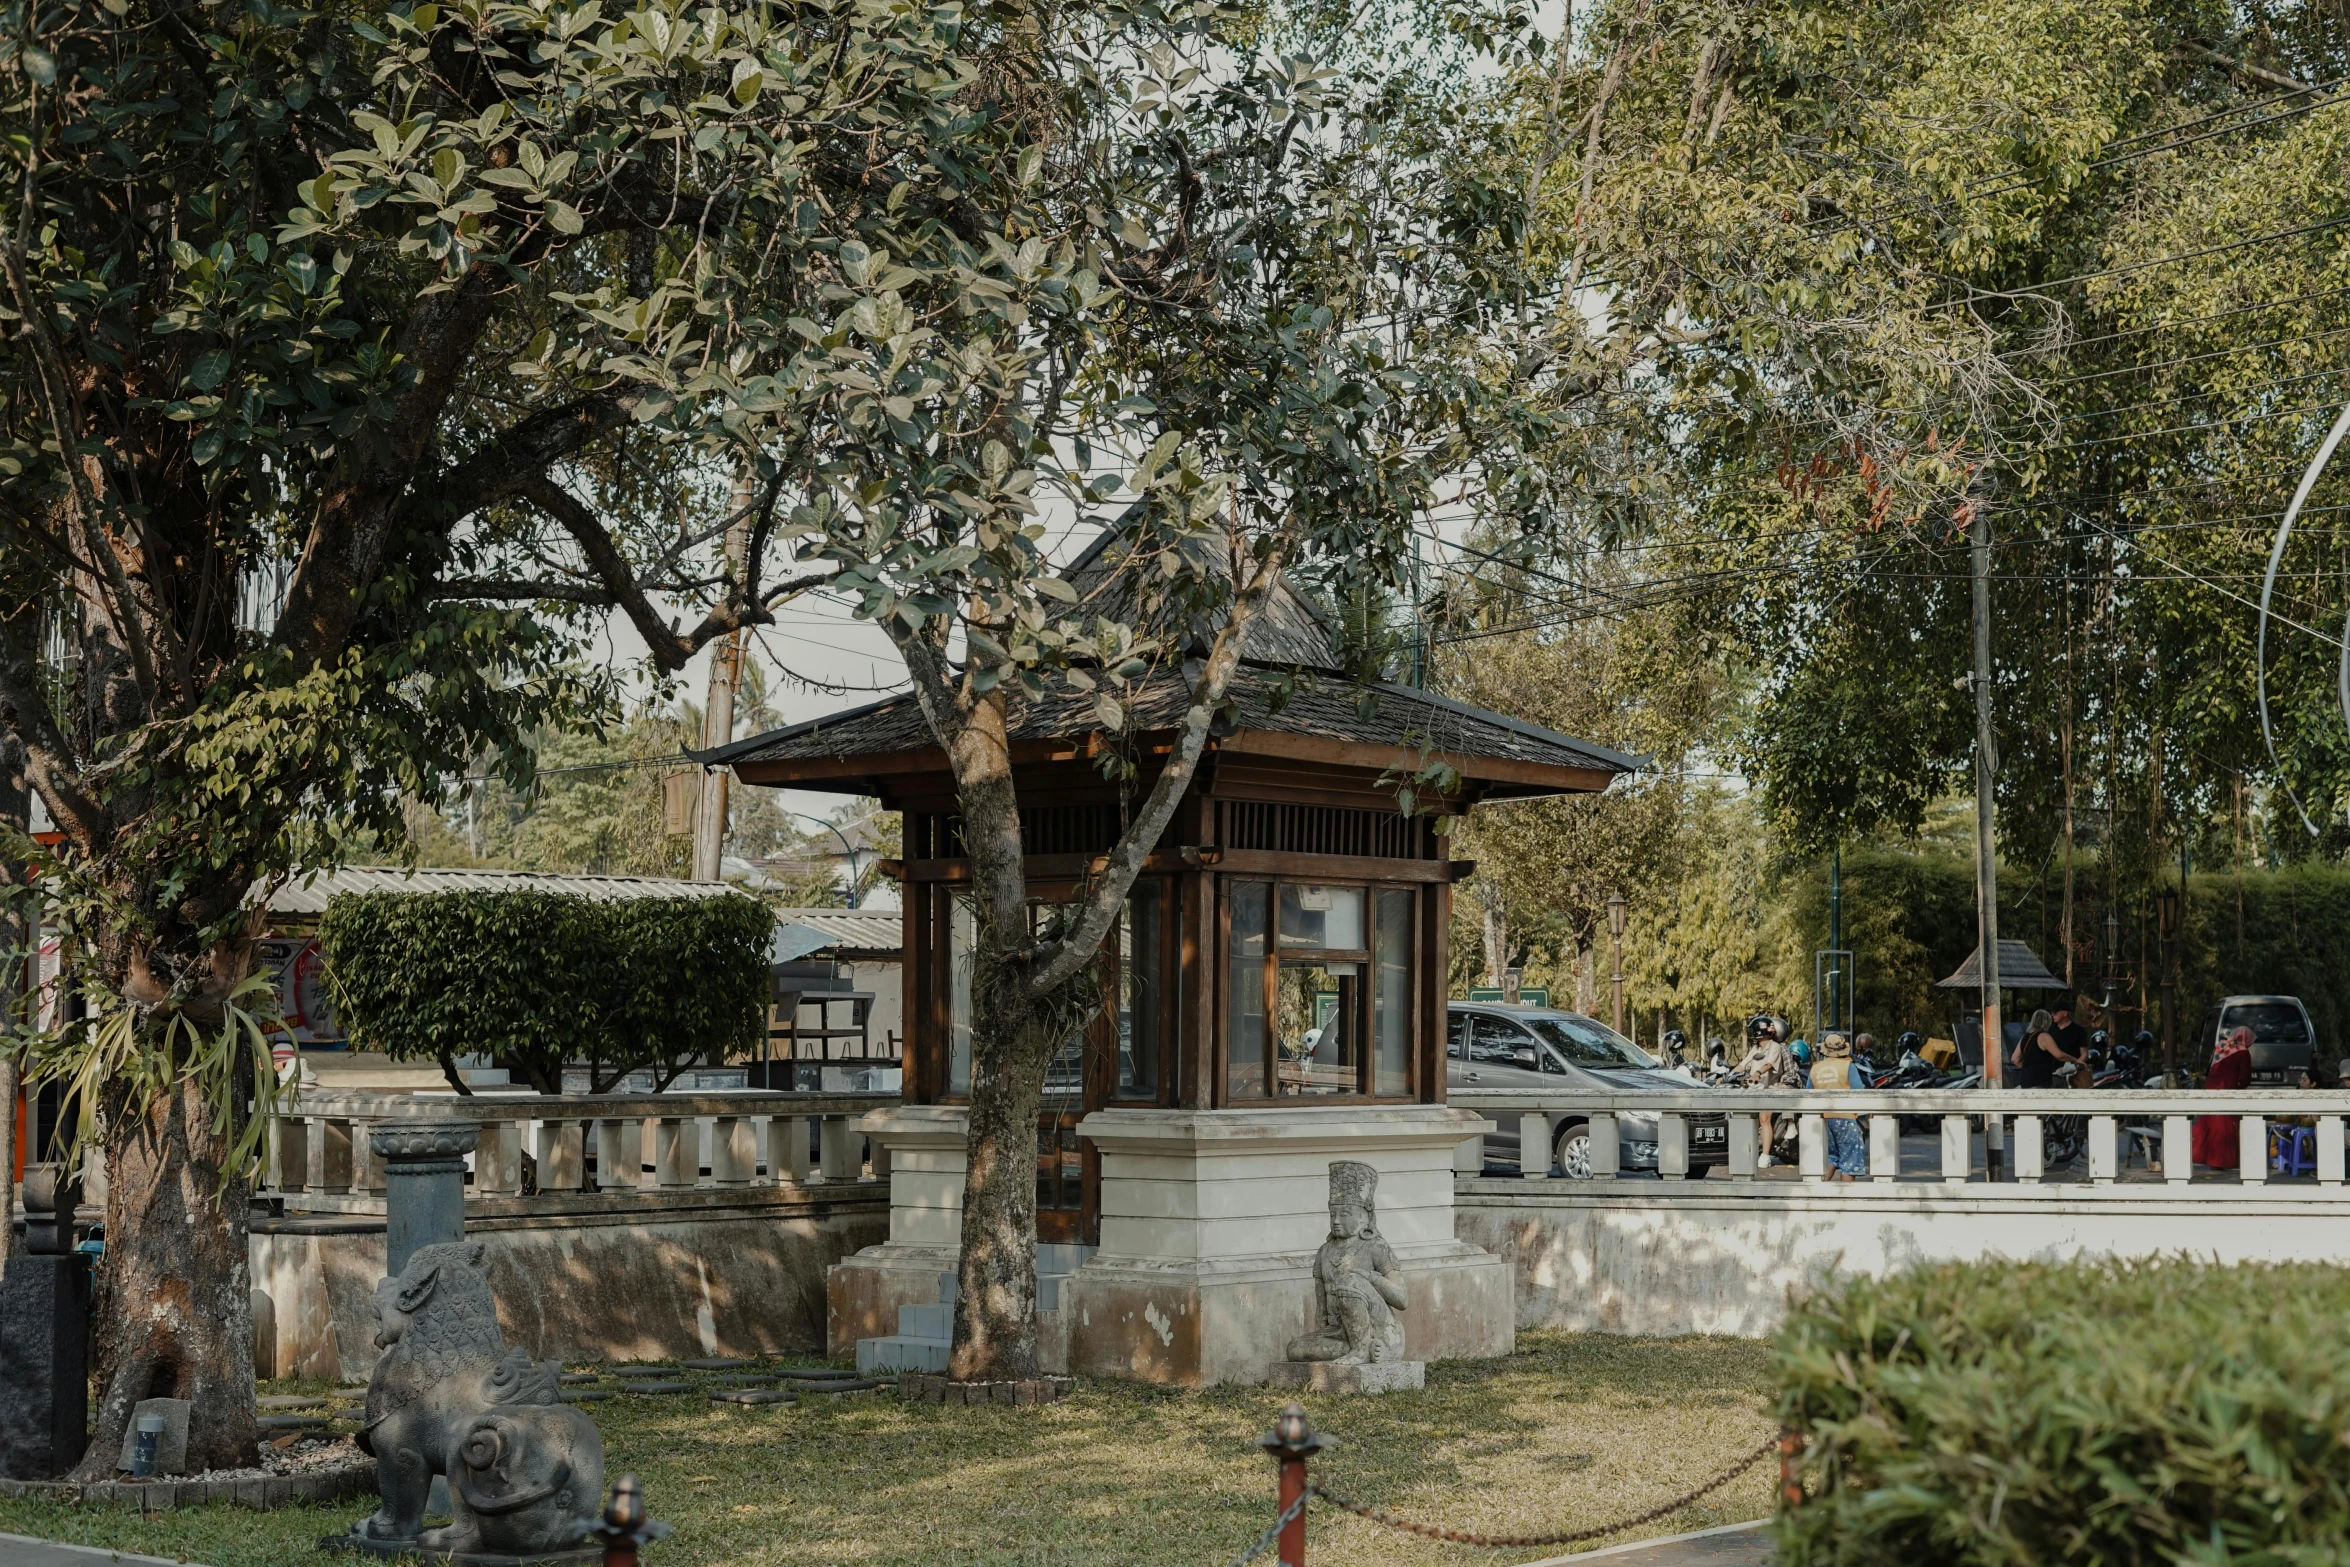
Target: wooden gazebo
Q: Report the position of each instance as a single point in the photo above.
(1286, 946)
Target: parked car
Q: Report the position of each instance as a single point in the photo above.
(2283, 1041)
(1543, 1050)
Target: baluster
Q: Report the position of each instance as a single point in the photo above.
(734, 1151)
(367, 1171)
(2329, 1150)
(1534, 1145)
(2104, 1150)
(331, 1157)
(2252, 1149)
(1606, 1145)
(618, 1156)
(1884, 1148)
(562, 1153)
(837, 1154)
(2178, 1150)
(1672, 1146)
(2031, 1153)
(1745, 1138)
(677, 1161)
(1958, 1149)
(497, 1160)
(787, 1150)
(1811, 1147)
(290, 1165)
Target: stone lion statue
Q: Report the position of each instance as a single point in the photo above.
(525, 1470)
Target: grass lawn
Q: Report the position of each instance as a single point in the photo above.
(1572, 1430)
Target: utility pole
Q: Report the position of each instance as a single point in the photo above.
(1986, 825)
(726, 673)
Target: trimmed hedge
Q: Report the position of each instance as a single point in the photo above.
(2099, 1412)
(536, 979)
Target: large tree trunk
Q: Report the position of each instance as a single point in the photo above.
(1012, 1040)
(995, 1297)
(174, 1311)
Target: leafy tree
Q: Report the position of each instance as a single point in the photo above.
(540, 979)
(336, 396)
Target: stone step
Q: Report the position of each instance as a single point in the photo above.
(1061, 1257)
(933, 1322)
(899, 1352)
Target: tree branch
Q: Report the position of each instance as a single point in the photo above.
(48, 759)
(515, 590)
(499, 467)
(669, 650)
(2246, 68)
(1107, 895)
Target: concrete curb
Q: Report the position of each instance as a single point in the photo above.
(35, 1552)
(150, 1496)
(1661, 1549)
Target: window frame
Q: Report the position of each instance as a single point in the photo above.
(1365, 959)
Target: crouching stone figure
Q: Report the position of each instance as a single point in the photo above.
(525, 1470)
(1358, 1286)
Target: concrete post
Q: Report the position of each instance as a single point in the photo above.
(424, 1184)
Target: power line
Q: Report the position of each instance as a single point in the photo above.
(2143, 266)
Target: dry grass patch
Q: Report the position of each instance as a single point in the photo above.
(1570, 1431)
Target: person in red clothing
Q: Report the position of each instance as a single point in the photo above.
(2216, 1140)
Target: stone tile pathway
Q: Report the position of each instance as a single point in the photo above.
(1732, 1545)
(17, 1550)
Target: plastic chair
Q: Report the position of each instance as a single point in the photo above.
(2292, 1150)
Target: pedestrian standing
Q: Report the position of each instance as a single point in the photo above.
(1848, 1148)
(2217, 1142)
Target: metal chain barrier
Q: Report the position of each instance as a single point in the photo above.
(1380, 1515)
(1273, 1530)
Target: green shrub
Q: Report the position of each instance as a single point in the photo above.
(2094, 1412)
(536, 979)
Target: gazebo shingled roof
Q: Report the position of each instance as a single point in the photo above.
(2019, 969)
(1290, 695)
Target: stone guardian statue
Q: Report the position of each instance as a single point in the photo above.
(1358, 1289)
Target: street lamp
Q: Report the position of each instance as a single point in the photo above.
(1615, 927)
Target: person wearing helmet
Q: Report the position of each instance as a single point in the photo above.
(1676, 1046)
(1768, 1064)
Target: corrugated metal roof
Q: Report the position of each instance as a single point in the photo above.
(808, 931)
(306, 893)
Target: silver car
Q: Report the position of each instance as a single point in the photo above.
(1543, 1050)
(2284, 1044)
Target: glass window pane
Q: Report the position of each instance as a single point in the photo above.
(1391, 1006)
(1314, 918)
(1320, 1026)
(962, 937)
(1140, 955)
(1244, 989)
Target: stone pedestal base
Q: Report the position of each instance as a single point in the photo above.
(44, 1365)
(1377, 1376)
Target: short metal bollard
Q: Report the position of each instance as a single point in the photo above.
(1790, 1468)
(1292, 1441)
(625, 1528)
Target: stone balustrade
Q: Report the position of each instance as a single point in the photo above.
(614, 1146)
(2132, 1136)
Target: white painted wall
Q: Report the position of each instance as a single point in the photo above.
(1647, 1257)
